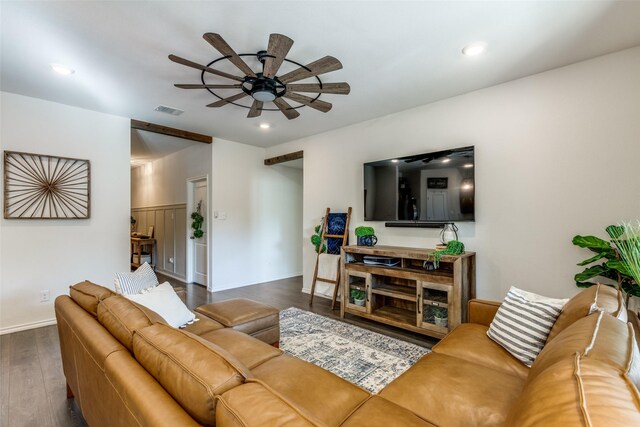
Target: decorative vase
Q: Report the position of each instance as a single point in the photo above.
(449, 232)
(441, 321)
(367, 240)
(359, 302)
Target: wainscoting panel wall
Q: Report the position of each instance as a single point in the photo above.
(170, 232)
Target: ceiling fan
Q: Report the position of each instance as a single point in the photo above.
(265, 85)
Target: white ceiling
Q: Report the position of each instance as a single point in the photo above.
(396, 55)
(147, 146)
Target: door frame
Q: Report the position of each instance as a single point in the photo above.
(191, 182)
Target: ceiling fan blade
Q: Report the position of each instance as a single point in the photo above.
(197, 66)
(256, 109)
(194, 86)
(225, 101)
(321, 66)
(223, 47)
(279, 46)
(336, 88)
(286, 109)
(309, 102)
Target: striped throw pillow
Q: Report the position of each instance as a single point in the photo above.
(523, 322)
(136, 282)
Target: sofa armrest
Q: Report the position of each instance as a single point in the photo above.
(482, 311)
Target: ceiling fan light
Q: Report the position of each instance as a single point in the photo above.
(263, 95)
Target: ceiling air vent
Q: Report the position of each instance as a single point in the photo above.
(169, 110)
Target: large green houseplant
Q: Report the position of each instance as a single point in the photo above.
(606, 261)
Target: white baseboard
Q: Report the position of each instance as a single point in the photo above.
(308, 291)
(27, 326)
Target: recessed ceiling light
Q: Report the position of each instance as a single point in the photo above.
(446, 160)
(62, 69)
(474, 49)
(394, 161)
(468, 165)
(265, 125)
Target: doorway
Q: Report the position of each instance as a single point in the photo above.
(198, 262)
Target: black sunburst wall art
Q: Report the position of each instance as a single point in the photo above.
(39, 186)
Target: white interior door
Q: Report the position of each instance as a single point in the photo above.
(436, 205)
(199, 264)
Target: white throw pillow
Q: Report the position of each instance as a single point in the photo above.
(163, 300)
(523, 322)
(136, 282)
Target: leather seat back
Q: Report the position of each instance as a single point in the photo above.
(598, 336)
(578, 391)
(595, 298)
(190, 368)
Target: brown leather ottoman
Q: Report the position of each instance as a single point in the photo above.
(259, 320)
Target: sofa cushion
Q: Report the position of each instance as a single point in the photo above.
(202, 325)
(133, 283)
(87, 295)
(250, 351)
(163, 300)
(523, 322)
(578, 391)
(191, 369)
(379, 412)
(449, 391)
(599, 336)
(254, 404)
(322, 397)
(595, 298)
(122, 318)
(470, 342)
(235, 312)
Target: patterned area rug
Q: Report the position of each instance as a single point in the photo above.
(362, 357)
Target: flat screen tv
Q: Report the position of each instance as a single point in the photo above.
(433, 187)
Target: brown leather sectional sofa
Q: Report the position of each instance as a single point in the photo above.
(126, 367)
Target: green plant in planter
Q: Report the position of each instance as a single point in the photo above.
(610, 266)
(454, 247)
(364, 231)
(626, 238)
(440, 312)
(196, 224)
(357, 294)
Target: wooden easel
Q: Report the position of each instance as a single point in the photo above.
(323, 237)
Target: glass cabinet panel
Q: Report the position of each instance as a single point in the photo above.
(433, 313)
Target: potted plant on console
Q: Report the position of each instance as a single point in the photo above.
(358, 297)
(440, 316)
(366, 236)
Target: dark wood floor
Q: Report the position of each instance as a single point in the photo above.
(32, 385)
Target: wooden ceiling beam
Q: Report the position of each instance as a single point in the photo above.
(165, 130)
(284, 158)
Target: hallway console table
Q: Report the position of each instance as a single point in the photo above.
(137, 246)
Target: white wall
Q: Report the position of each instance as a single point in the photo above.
(53, 254)
(261, 237)
(164, 181)
(556, 154)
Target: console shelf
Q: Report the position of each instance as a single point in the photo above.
(407, 296)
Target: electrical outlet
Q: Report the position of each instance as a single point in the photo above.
(44, 295)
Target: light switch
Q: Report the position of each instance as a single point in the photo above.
(222, 215)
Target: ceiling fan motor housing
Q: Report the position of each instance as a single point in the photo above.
(263, 89)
